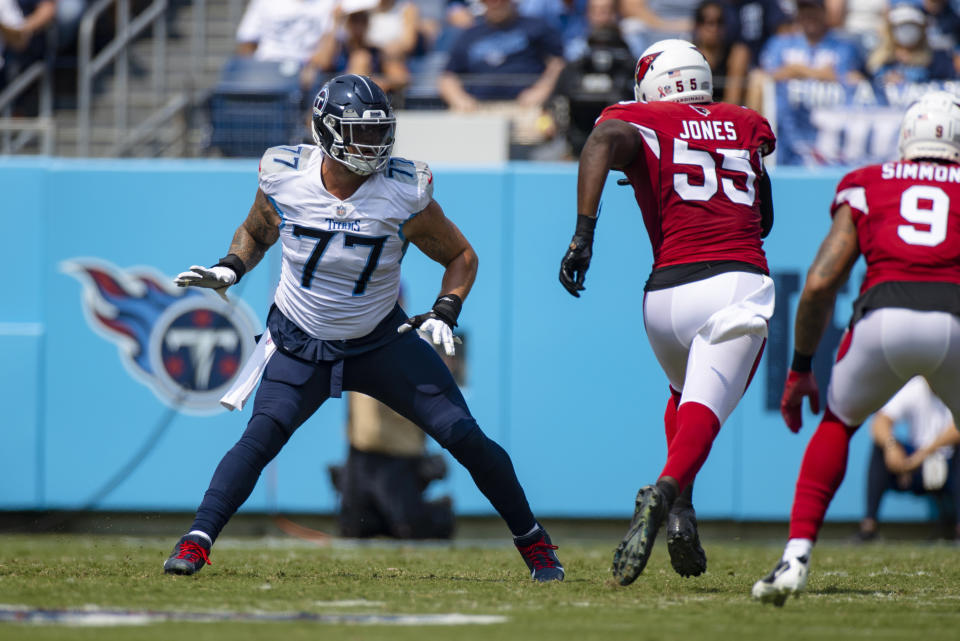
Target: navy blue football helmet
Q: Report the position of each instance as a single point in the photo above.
(354, 124)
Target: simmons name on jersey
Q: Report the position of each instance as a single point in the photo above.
(906, 218)
(341, 258)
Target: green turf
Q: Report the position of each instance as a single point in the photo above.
(889, 591)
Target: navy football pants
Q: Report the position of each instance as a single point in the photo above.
(408, 376)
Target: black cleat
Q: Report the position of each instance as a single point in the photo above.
(538, 552)
(686, 555)
(190, 554)
(634, 551)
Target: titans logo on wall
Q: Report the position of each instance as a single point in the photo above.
(186, 344)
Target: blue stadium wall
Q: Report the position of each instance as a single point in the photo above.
(569, 387)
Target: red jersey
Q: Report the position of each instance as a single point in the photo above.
(696, 179)
(908, 220)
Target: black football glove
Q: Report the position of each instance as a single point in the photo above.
(573, 267)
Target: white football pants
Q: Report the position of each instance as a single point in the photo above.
(885, 349)
(707, 335)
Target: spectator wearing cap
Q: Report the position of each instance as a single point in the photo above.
(814, 52)
(904, 54)
(346, 48)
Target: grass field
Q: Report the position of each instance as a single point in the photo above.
(885, 591)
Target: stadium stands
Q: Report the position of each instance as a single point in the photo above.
(255, 105)
(169, 85)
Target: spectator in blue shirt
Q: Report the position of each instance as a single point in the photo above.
(904, 54)
(505, 56)
(812, 53)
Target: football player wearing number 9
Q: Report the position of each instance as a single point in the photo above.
(343, 211)
(697, 173)
(904, 217)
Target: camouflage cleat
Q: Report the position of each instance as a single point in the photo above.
(683, 542)
(634, 551)
(190, 554)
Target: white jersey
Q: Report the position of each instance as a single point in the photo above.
(341, 258)
(285, 29)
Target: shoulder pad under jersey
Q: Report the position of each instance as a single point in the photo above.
(285, 158)
(411, 172)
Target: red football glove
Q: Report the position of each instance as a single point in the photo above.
(798, 385)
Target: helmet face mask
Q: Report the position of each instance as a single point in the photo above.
(931, 128)
(673, 71)
(354, 124)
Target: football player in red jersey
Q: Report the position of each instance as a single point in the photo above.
(697, 173)
(904, 217)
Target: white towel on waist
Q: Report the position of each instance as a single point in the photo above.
(246, 381)
(747, 316)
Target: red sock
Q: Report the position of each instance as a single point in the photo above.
(822, 470)
(670, 416)
(697, 426)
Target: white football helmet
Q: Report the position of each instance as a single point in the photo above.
(931, 128)
(675, 71)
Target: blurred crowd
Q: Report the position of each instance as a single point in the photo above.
(30, 29)
(551, 65)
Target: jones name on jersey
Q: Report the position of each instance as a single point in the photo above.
(341, 258)
(696, 181)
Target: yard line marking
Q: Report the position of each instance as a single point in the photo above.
(94, 617)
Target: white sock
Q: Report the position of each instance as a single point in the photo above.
(797, 548)
(203, 534)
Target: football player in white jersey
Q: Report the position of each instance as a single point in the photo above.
(344, 211)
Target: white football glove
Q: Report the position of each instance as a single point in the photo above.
(218, 278)
(438, 332)
(438, 323)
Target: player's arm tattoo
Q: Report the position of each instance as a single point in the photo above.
(830, 269)
(257, 233)
(613, 144)
(436, 236)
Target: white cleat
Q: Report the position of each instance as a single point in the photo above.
(788, 577)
